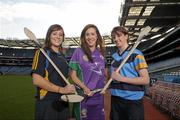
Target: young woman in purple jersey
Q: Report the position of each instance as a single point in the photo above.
(88, 73)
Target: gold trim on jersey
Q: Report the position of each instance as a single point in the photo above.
(35, 60)
(42, 91)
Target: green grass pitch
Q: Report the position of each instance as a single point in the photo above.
(16, 97)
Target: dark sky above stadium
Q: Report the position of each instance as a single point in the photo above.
(73, 15)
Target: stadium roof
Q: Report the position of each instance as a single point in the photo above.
(161, 15)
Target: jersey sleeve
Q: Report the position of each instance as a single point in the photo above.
(140, 62)
(38, 65)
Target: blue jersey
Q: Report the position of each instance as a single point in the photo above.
(130, 69)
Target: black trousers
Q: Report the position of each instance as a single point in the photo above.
(51, 110)
(122, 109)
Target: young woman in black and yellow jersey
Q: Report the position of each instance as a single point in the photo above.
(50, 85)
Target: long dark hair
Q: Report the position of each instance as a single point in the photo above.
(84, 44)
(52, 28)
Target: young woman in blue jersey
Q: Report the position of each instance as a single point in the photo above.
(50, 85)
(127, 87)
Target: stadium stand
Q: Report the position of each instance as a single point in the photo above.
(15, 61)
(166, 96)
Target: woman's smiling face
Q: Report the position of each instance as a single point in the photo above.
(91, 37)
(56, 38)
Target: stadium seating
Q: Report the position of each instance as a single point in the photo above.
(166, 96)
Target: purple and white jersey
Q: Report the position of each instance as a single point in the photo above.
(91, 74)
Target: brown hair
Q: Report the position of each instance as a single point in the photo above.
(84, 44)
(52, 28)
(117, 30)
